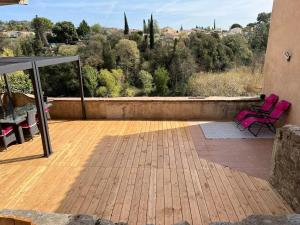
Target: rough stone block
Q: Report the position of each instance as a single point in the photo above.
(285, 175)
(266, 220)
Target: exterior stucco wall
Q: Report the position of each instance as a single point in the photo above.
(283, 77)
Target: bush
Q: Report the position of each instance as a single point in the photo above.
(161, 79)
(233, 83)
(112, 81)
(19, 82)
(90, 76)
(102, 92)
(127, 58)
(131, 91)
(67, 50)
(146, 81)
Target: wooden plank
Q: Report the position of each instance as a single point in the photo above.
(160, 202)
(143, 207)
(239, 211)
(240, 195)
(152, 197)
(168, 207)
(132, 171)
(185, 205)
(177, 209)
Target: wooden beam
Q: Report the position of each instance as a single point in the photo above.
(12, 2)
(37, 88)
(81, 89)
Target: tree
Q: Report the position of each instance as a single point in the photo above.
(110, 83)
(258, 38)
(238, 44)
(127, 58)
(145, 27)
(83, 30)
(40, 26)
(109, 61)
(60, 80)
(264, 17)
(215, 25)
(210, 53)
(146, 81)
(96, 28)
(26, 44)
(138, 38)
(114, 37)
(161, 79)
(181, 28)
(182, 66)
(236, 25)
(126, 26)
(151, 30)
(92, 53)
(19, 81)
(90, 76)
(160, 56)
(65, 32)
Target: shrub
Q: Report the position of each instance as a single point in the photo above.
(146, 81)
(102, 92)
(19, 82)
(233, 83)
(131, 91)
(67, 50)
(90, 76)
(161, 78)
(112, 81)
(127, 57)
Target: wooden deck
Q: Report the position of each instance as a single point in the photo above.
(133, 171)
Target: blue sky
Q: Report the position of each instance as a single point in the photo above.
(175, 13)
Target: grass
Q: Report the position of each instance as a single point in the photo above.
(237, 82)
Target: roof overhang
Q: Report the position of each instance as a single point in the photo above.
(12, 2)
(12, 64)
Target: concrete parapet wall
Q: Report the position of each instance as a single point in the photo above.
(151, 108)
(169, 108)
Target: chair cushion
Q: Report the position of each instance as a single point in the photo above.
(25, 125)
(251, 120)
(242, 115)
(6, 130)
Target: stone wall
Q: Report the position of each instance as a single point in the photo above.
(286, 165)
(41, 218)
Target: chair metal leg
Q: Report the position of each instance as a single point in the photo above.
(258, 131)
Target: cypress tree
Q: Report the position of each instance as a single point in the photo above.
(151, 33)
(144, 27)
(126, 27)
(214, 24)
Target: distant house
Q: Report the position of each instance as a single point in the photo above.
(234, 31)
(168, 30)
(169, 33)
